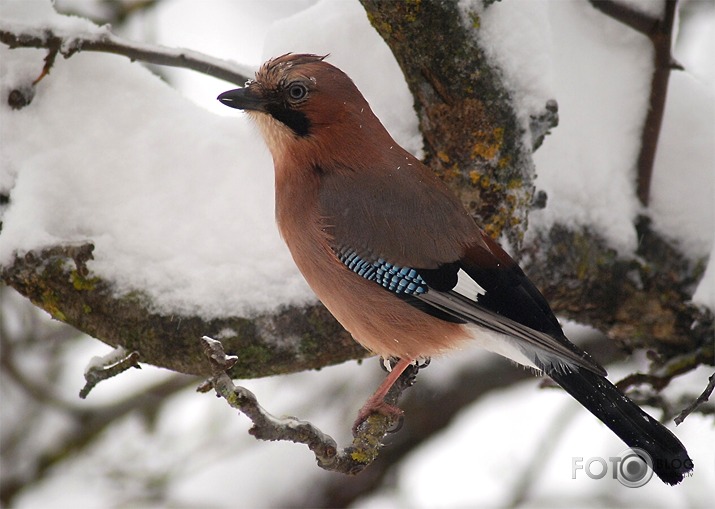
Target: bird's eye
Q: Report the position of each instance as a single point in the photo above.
(297, 91)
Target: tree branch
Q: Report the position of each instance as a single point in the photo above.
(473, 138)
(352, 460)
(660, 33)
(292, 339)
(637, 20)
(67, 43)
(699, 401)
(117, 362)
(429, 410)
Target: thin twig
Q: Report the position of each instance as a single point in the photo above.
(638, 21)
(116, 363)
(102, 40)
(351, 460)
(659, 378)
(660, 33)
(661, 375)
(699, 401)
(49, 62)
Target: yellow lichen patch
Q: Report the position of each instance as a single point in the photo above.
(484, 150)
(450, 174)
(382, 27)
(413, 9)
(361, 456)
(489, 145)
(50, 303)
(81, 283)
(493, 230)
(514, 221)
(514, 184)
(474, 177)
(443, 156)
(474, 18)
(487, 184)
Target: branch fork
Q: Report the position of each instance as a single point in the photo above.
(367, 438)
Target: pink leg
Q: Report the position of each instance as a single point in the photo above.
(376, 403)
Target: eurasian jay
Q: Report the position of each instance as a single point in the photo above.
(396, 257)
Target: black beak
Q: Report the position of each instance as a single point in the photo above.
(243, 99)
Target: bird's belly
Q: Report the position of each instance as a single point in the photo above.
(379, 320)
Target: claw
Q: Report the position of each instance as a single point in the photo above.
(376, 403)
(398, 425)
(386, 364)
(425, 362)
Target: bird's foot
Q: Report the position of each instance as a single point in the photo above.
(377, 405)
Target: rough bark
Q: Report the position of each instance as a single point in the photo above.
(293, 339)
(472, 136)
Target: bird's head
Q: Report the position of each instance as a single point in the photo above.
(303, 104)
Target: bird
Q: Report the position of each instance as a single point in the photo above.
(395, 256)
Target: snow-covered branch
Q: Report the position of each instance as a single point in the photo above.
(68, 42)
(293, 339)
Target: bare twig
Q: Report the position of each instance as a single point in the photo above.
(49, 62)
(351, 460)
(638, 21)
(102, 40)
(660, 33)
(699, 401)
(114, 364)
(661, 376)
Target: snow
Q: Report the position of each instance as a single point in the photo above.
(688, 52)
(512, 35)
(101, 361)
(177, 196)
(683, 194)
(587, 165)
(600, 74)
(705, 293)
(129, 171)
(242, 32)
(41, 13)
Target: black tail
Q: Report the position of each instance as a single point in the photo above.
(635, 427)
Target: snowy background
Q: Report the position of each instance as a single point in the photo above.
(175, 191)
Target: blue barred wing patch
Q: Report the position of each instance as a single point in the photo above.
(401, 280)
